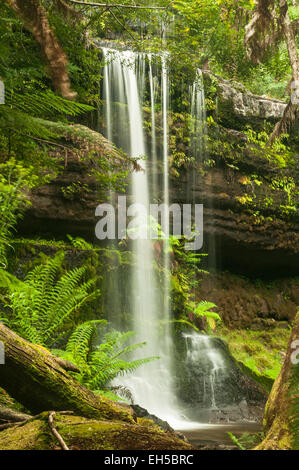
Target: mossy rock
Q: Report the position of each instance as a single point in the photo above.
(259, 354)
(87, 434)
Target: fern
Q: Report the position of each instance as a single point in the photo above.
(203, 310)
(81, 341)
(45, 103)
(236, 441)
(101, 364)
(41, 303)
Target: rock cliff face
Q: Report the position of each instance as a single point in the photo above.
(245, 304)
(246, 105)
(55, 214)
(248, 235)
(257, 241)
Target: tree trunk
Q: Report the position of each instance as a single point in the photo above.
(34, 18)
(278, 407)
(36, 380)
(289, 116)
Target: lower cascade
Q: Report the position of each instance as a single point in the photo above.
(202, 353)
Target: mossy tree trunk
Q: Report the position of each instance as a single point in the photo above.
(35, 379)
(277, 412)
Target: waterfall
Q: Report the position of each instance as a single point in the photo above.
(153, 90)
(202, 354)
(166, 300)
(124, 86)
(199, 151)
(198, 117)
(128, 79)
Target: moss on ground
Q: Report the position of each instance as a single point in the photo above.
(259, 353)
(7, 400)
(88, 434)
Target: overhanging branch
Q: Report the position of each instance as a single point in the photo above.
(107, 5)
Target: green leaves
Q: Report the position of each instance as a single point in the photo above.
(40, 305)
(14, 179)
(45, 103)
(101, 363)
(203, 310)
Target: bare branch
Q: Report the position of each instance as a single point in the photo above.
(106, 5)
(68, 12)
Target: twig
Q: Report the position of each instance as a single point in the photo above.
(11, 425)
(48, 142)
(55, 432)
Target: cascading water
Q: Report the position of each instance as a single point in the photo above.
(124, 82)
(198, 147)
(201, 352)
(198, 117)
(153, 90)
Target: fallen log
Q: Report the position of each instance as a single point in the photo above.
(35, 379)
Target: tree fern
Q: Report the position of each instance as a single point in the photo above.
(40, 305)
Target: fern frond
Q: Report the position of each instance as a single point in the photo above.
(79, 342)
(40, 305)
(44, 103)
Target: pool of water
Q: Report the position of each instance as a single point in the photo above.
(215, 435)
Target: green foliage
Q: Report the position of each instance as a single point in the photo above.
(215, 29)
(80, 243)
(100, 363)
(259, 351)
(203, 310)
(236, 441)
(279, 153)
(185, 279)
(247, 441)
(14, 181)
(38, 307)
(45, 103)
